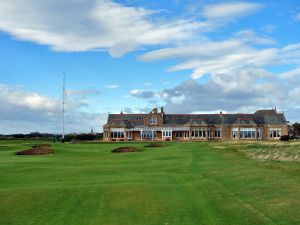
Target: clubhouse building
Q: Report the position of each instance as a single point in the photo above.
(158, 126)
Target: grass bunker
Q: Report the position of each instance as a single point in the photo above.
(124, 150)
(41, 149)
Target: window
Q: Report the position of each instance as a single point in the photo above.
(117, 134)
(179, 134)
(234, 132)
(247, 132)
(198, 133)
(218, 132)
(166, 133)
(148, 134)
(129, 135)
(274, 132)
(186, 134)
(153, 120)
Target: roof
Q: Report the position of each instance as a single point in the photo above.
(126, 120)
(259, 117)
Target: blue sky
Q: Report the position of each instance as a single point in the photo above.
(188, 56)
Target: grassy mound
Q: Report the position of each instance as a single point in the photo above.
(156, 144)
(41, 149)
(124, 149)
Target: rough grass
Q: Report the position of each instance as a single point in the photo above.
(278, 151)
(182, 183)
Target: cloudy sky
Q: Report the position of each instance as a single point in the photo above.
(190, 56)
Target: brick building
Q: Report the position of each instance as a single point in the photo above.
(156, 125)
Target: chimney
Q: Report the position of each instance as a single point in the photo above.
(162, 109)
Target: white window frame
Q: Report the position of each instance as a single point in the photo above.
(148, 134)
(117, 135)
(129, 135)
(166, 133)
(247, 132)
(274, 133)
(153, 120)
(198, 133)
(235, 133)
(218, 132)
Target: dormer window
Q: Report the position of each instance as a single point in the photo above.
(153, 120)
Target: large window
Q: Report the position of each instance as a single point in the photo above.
(148, 134)
(181, 134)
(247, 132)
(199, 133)
(274, 132)
(153, 120)
(218, 133)
(235, 132)
(117, 134)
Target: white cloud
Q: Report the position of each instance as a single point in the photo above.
(91, 25)
(112, 86)
(238, 91)
(218, 57)
(147, 84)
(243, 90)
(24, 111)
(291, 74)
(249, 36)
(143, 93)
(14, 95)
(230, 10)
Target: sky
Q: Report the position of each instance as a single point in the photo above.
(188, 56)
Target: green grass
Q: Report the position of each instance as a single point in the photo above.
(182, 183)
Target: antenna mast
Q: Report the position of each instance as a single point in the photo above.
(63, 108)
